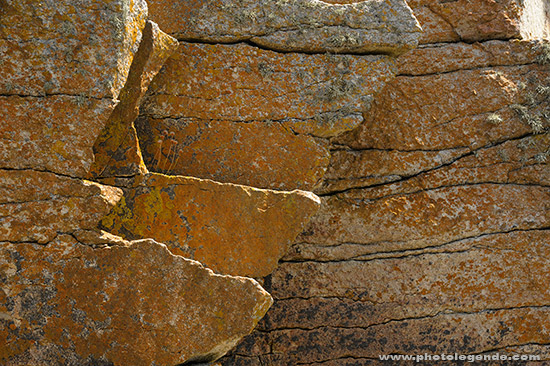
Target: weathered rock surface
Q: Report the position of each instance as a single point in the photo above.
(116, 150)
(81, 50)
(433, 228)
(461, 20)
(293, 25)
(137, 304)
(36, 206)
(231, 229)
(278, 103)
(226, 151)
(61, 72)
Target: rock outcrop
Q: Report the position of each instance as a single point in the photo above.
(432, 232)
(72, 83)
(268, 126)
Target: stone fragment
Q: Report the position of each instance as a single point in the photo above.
(278, 98)
(450, 57)
(117, 149)
(254, 153)
(229, 228)
(425, 121)
(62, 48)
(428, 217)
(37, 206)
(293, 25)
(136, 304)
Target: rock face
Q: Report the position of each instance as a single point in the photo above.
(70, 294)
(432, 232)
(199, 219)
(138, 304)
(268, 126)
(293, 25)
(41, 46)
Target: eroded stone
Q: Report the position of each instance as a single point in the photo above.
(82, 49)
(231, 229)
(293, 25)
(36, 206)
(116, 150)
(272, 100)
(66, 303)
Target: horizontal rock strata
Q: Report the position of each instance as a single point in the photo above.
(431, 237)
(231, 229)
(267, 126)
(293, 25)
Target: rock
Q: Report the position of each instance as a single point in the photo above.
(52, 114)
(293, 25)
(471, 333)
(433, 226)
(229, 228)
(254, 153)
(48, 48)
(136, 304)
(36, 206)
(453, 21)
(426, 122)
(116, 150)
(273, 101)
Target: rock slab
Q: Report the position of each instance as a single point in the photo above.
(229, 228)
(136, 304)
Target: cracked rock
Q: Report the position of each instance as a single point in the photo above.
(308, 26)
(229, 228)
(132, 304)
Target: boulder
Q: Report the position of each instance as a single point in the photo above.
(36, 206)
(61, 73)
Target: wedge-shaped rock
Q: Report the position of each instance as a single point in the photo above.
(229, 228)
(61, 70)
(36, 206)
(293, 25)
(63, 48)
(278, 95)
(117, 149)
(138, 304)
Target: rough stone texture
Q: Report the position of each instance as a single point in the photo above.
(293, 25)
(259, 128)
(433, 229)
(35, 206)
(51, 57)
(231, 229)
(69, 48)
(117, 150)
(463, 20)
(138, 304)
